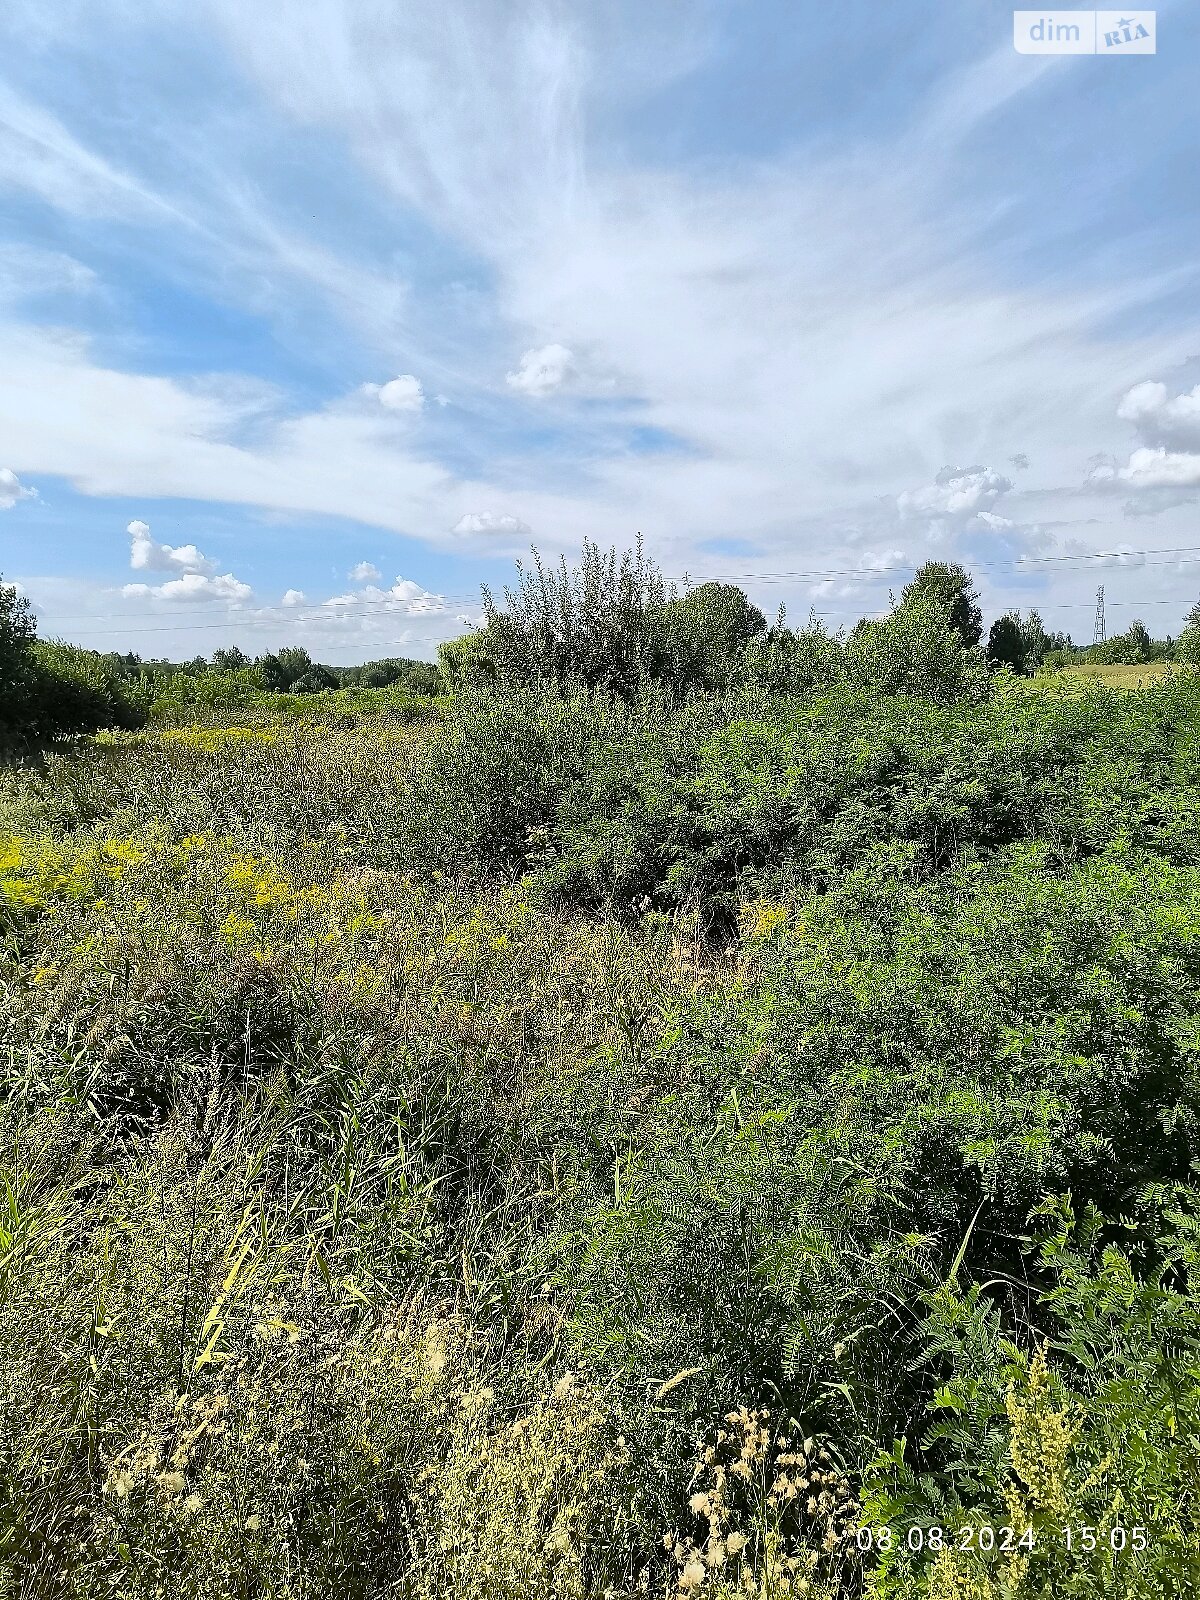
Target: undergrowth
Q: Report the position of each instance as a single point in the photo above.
(588, 1147)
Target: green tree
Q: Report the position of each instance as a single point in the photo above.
(17, 634)
(423, 677)
(796, 662)
(1035, 640)
(600, 623)
(1006, 643)
(1141, 645)
(76, 691)
(465, 661)
(912, 652)
(293, 670)
(707, 630)
(231, 660)
(952, 589)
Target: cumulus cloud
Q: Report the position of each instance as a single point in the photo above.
(1164, 470)
(147, 555)
(404, 596)
(364, 572)
(957, 493)
(1170, 422)
(492, 522)
(1150, 468)
(294, 597)
(192, 586)
(12, 489)
(543, 371)
(399, 394)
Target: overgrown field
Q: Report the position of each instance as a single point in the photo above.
(1123, 676)
(565, 1147)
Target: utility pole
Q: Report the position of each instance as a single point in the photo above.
(1100, 634)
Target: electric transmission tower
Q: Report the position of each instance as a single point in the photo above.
(1100, 634)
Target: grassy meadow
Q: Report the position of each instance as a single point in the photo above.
(1123, 676)
(558, 1145)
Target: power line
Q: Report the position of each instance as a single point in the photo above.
(385, 605)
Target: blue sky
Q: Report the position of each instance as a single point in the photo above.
(339, 306)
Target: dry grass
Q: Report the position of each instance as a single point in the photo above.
(1124, 677)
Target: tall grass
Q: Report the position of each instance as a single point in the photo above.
(581, 1148)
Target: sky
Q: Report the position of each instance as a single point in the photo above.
(317, 315)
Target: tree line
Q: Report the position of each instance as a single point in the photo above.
(611, 622)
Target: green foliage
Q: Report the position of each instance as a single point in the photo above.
(50, 690)
(949, 588)
(292, 670)
(555, 1141)
(1188, 646)
(1006, 644)
(913, 652)
(77, 691)
(1087, 1445)
(804, 662)
(601, 624)
(17, 633)
(465, 662)
(1133, 648)
(694, 808)
(707, 631)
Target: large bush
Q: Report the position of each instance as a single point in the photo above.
(50, 690)
(588, 1144)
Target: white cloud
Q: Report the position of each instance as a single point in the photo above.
(147, 555)
(294, 597)
(1164, 471)
(400, 394)
(484, 522)
(364, 572)
(1149, 468)
(192, 586)
(543, 371)
(12, 489)
(404, 596)
(957, 493)
(814, 333)
(1161, 419)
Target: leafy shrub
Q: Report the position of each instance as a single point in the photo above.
(77, 691)
(50, 690)
(913, 652)
(947, 588)
(383, 1215)
(17, 633)
(1087, 1446)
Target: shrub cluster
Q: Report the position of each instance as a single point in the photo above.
(590, 1140)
